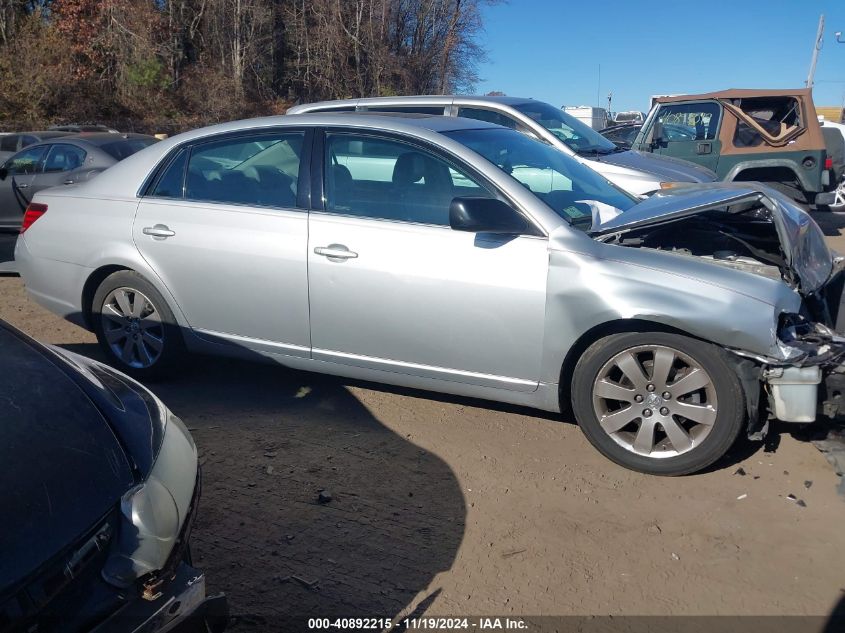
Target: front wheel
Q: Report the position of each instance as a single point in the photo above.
(658, 403)
(134, 326)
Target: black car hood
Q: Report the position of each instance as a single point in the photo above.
(61, 466)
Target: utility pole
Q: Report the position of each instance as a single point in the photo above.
(816, 48)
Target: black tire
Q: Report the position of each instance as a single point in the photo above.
(173, 348)
(729, 415)
(790, 191)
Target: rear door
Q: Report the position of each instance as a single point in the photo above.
(690, 132)
(16, 187)
(394, 288)
(225, 227)
(62, 165)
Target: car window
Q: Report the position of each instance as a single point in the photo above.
(379, 178)
(575, 134)
(28, 140)
(62, 157)
(258, 170)
(26, 162)
(569, 188)
(481, 114)
(9, 143)
(411, 109)
(124, 148)
(689, 121)
(170, 183)
(766, 120)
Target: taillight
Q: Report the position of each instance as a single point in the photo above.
(828, 163)
(33, 212)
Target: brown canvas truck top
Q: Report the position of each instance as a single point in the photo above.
(756, 121)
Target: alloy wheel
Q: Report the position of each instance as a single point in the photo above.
(132, 327)
(655, 401)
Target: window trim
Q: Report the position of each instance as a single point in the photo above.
(318, 175)
(303, 188)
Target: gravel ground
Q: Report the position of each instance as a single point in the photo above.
(463, 507)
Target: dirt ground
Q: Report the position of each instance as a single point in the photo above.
(464, 507)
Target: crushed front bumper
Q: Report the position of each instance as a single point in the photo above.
(181, 607)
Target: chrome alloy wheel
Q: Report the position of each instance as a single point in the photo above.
(132, 327)
(655, 401)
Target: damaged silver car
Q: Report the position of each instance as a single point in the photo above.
(458, 256)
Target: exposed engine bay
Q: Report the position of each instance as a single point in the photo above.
(762, 237)
(744, 241)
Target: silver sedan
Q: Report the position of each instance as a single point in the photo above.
(457, 256)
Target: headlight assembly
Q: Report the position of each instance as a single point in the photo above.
(154, 512)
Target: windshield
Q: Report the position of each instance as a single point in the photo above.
(578, 136)
(568, 187)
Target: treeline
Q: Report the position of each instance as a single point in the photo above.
(164, 65)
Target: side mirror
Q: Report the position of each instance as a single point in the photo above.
(3, 172)
(657, 134)
(485, 215)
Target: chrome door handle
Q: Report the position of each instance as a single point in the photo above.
(159, 231)
(21, 185)
(69, 181)
(335, 252)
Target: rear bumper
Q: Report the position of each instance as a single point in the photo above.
(52, 284)
(182, 607)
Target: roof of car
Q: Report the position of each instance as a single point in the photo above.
(104, 138)
(44, 134)
(738, 93)
(421, 100)
(382, 120)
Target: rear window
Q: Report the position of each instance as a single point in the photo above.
(9, 143)
(126, 147)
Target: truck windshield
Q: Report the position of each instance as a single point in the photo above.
(569, 188)
(579, 137)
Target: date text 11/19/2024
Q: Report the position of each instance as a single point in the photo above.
(419, 624)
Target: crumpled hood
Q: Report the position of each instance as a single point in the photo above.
(802, 242)
(667, 169)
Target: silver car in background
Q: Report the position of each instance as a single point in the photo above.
(457, 256)
(639, 173)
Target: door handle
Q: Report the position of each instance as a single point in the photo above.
(335, 252)
(703, 148)
(69, 181)
(159, 231)
(21, 185)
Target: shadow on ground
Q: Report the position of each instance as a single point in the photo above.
(831, 224)
(270, 440)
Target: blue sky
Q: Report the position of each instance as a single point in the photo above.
(551, 49)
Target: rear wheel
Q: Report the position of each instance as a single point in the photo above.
(134, 326)
(658, 403)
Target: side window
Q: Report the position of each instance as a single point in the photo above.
(411, 109)
(257, 170)
(170, 183)
(689, 121)
(27, 161)
(391, 180)
(480, 114)
(770, 120)
(9, 143)
(63, 157)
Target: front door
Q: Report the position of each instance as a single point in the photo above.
(392, 287)
(225, 230)
(690, 132)
(16, 187)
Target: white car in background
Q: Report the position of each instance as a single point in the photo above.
(639, 173)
